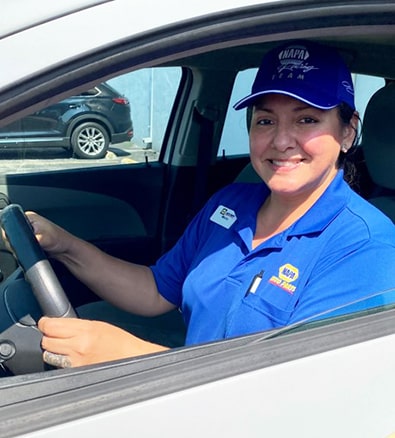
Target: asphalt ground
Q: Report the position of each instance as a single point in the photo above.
(38, 159)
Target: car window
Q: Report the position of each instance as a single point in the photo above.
(120, 121)
(234, 139)
(92, 92)
(365, 86)
(377, 302)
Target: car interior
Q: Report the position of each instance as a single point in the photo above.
(138, 211)
(377, 147)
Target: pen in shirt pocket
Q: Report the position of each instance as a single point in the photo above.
(254, 283)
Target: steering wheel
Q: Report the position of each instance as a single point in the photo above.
(34, 263)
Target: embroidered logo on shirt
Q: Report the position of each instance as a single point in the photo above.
(286, 275)
(224, 216)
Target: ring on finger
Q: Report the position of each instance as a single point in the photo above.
(56, 360)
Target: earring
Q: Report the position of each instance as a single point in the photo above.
(344, 149)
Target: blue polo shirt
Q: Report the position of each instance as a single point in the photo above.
(340, 251)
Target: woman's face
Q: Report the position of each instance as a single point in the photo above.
(294, 147)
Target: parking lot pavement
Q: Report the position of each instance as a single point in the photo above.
(39, 159)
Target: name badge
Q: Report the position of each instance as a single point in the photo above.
(224, 216)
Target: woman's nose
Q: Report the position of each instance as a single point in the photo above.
(283, 138)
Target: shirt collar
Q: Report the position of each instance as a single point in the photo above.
(325, 209)
(316, 219)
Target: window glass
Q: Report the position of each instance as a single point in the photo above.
(365, 86)
(92, 92)
(234, 140)
(121, 121)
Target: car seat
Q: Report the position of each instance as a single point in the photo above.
(378, 144)
(248, 175)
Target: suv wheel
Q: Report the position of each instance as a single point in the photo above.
(90, 140)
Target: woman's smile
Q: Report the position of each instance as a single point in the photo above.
(288, 164)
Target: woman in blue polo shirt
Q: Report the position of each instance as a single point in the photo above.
(257, 256)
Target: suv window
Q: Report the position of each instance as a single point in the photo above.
(91, 92)
(121, 121)
(234, 139)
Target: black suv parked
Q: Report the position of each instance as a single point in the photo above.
(86, 124)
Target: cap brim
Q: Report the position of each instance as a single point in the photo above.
(250, 99)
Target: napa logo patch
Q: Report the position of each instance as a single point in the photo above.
(287, 274)
(224, 216)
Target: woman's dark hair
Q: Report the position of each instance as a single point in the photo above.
(344, 161)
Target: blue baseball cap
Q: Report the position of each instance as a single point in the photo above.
(307, 71)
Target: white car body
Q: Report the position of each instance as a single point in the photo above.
(308, 384)
(342, 393)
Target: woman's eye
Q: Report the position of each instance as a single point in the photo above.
(308, 120)
(264, 122)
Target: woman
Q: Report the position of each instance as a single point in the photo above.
(257, 256)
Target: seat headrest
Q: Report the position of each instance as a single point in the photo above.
(378, 136)
(248, 175)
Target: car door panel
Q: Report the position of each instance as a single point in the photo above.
(91, 216)
(116, 208)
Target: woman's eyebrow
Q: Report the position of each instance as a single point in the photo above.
(262, 108)
(302, 107)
